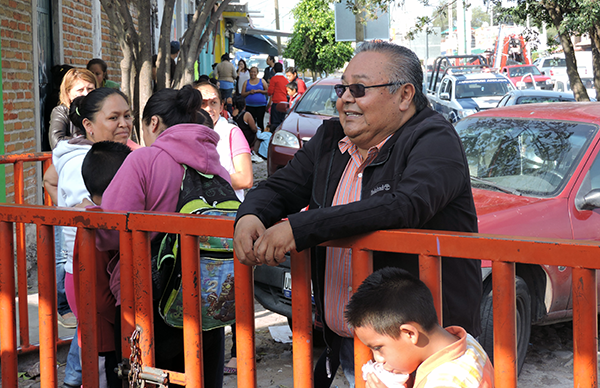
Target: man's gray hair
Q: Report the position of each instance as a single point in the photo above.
(405, 67)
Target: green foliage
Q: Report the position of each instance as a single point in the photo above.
(313, 46)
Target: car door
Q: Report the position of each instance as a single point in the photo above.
(586, 223)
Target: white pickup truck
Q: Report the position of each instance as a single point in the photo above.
(458, 90)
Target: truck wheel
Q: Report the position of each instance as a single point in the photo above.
(523, 305)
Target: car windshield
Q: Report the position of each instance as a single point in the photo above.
(522, 70)
(482, 88)
(534, 157)
(538, 99)
(318, 100)
(555, 62)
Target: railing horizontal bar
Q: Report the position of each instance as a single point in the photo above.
(28, 157)
(528, 250)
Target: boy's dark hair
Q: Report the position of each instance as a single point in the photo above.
(98, 61)
(292, 85)
(278, 67)
(101, 164)
(389, 298)
(291, 70)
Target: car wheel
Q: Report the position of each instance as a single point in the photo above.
(523, 305)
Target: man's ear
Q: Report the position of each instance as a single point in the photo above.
(407, 93)
(410, 332)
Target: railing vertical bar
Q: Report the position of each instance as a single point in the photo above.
(585, 328)
(47, 305)
(142, 285)
(244, 323)
(8, 334)
(45, 165)
(87, 305)
(505, 324)
(430, 272)
(192, 319)
(302, 340)
(127, 293)
(21, 257)
(362, 266)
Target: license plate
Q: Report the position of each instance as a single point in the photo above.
(287, 285)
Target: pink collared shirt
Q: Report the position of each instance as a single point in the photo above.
(338, 270)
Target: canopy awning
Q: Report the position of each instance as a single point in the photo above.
(257, 44)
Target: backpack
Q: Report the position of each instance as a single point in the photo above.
(207, 195)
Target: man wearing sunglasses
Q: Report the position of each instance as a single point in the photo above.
(389, 162)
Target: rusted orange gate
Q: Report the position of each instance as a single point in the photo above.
(135, 230)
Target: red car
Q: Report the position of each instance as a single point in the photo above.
(535, 171)
(521, 77)
(301, 123)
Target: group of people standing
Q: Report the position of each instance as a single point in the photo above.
(179, 127)
(388, 162)
(275, 93)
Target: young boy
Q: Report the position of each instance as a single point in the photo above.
(392, 313)
(100, 165)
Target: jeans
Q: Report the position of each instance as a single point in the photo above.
(60, 254)
(73, 367)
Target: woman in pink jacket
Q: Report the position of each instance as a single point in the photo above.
(176, 131)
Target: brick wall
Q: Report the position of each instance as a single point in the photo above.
(17, 84)
(77, 38)
(16, 33)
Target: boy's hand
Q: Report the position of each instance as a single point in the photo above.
(374, 382)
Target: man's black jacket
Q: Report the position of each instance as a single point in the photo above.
(420, 179)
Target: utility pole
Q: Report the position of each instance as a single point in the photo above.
(277, 27)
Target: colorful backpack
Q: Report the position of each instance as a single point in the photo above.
(207, 195)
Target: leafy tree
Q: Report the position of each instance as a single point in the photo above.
(312, 45)
(569, 17)
(136, 66)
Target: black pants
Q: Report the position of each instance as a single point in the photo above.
(276, 117)
(258, 113)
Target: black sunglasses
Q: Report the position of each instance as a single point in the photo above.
(358, 90)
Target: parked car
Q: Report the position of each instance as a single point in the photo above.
(524, 76)
(301, 123)
(562, 84)
(535, 171)
(530, 96)
(460, 95)
(552, 65)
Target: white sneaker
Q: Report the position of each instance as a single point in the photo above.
(256, 159)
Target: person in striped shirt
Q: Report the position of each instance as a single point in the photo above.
(403, 332)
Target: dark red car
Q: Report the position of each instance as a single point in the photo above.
(523, 76)
(535, 171)
(301, 123)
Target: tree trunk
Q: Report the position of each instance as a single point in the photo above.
(163, 63)
(595, 36)
(556, 13)
(144, 59)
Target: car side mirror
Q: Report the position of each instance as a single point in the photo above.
(590, 201)
(445, 96)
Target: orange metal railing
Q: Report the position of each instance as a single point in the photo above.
(136, 306)
(137, 303)
(18, 161)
